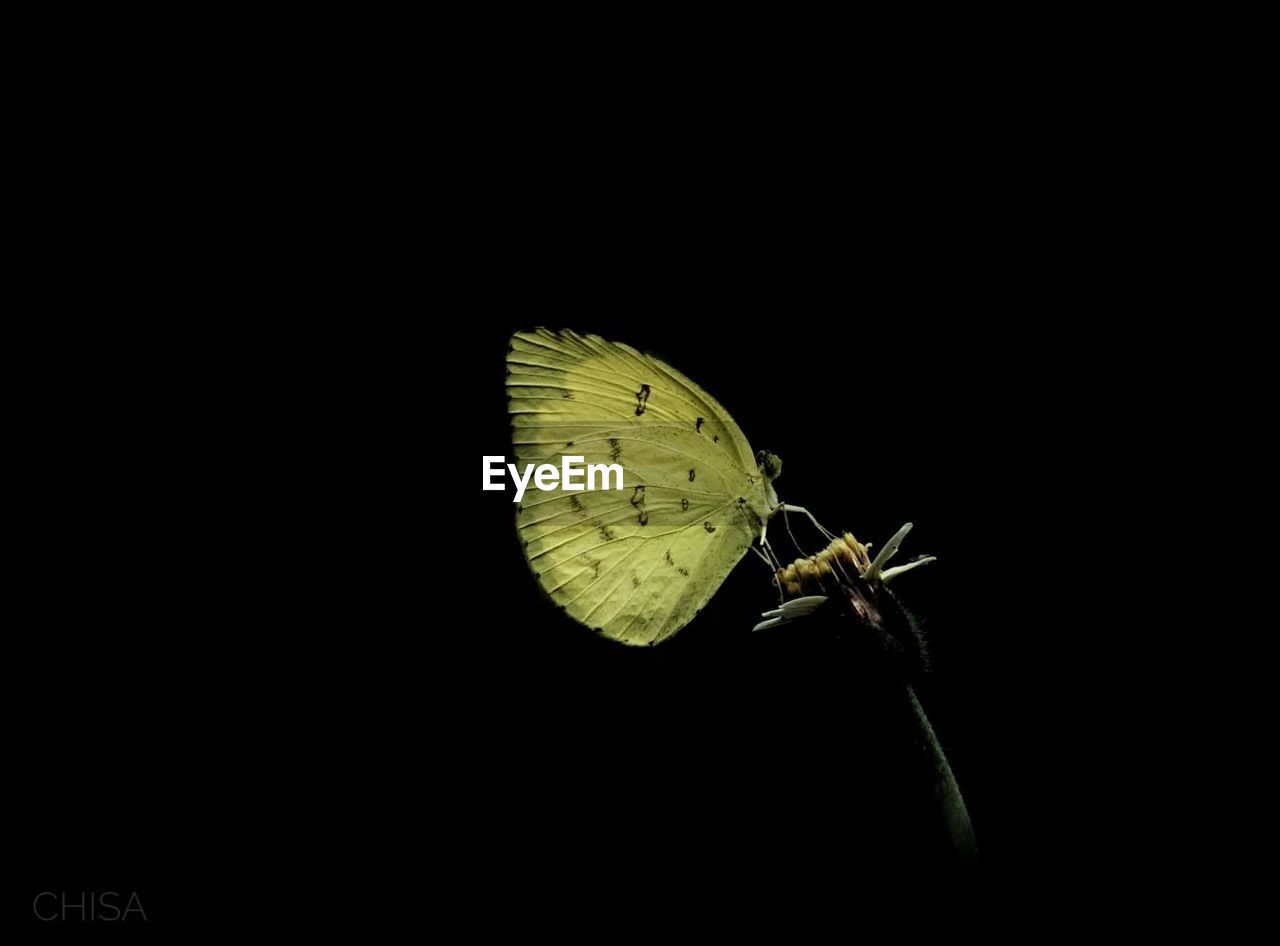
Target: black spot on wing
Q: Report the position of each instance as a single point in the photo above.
(615, 450)
(667, 557)
(637, 500)
(698, 425)
(606, 533)
(635, 581)
(684, 504)
(692, 473)
(642, 398)
(709, 527)
(683, 571)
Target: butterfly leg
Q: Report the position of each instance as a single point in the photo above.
(787, 507)
(768, 563)
(773, 556)
(786, 521)
(764, 532)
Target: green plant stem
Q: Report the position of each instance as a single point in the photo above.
(946, 789)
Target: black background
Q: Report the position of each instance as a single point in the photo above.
(893, 293)
(281, 656)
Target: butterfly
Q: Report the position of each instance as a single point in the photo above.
(635, 564)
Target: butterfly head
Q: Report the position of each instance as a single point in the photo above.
(770, 464)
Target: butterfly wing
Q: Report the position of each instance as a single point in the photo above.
(639, 563)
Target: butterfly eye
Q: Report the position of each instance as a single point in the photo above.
(770, 464)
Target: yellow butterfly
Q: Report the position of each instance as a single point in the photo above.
(635, 564)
